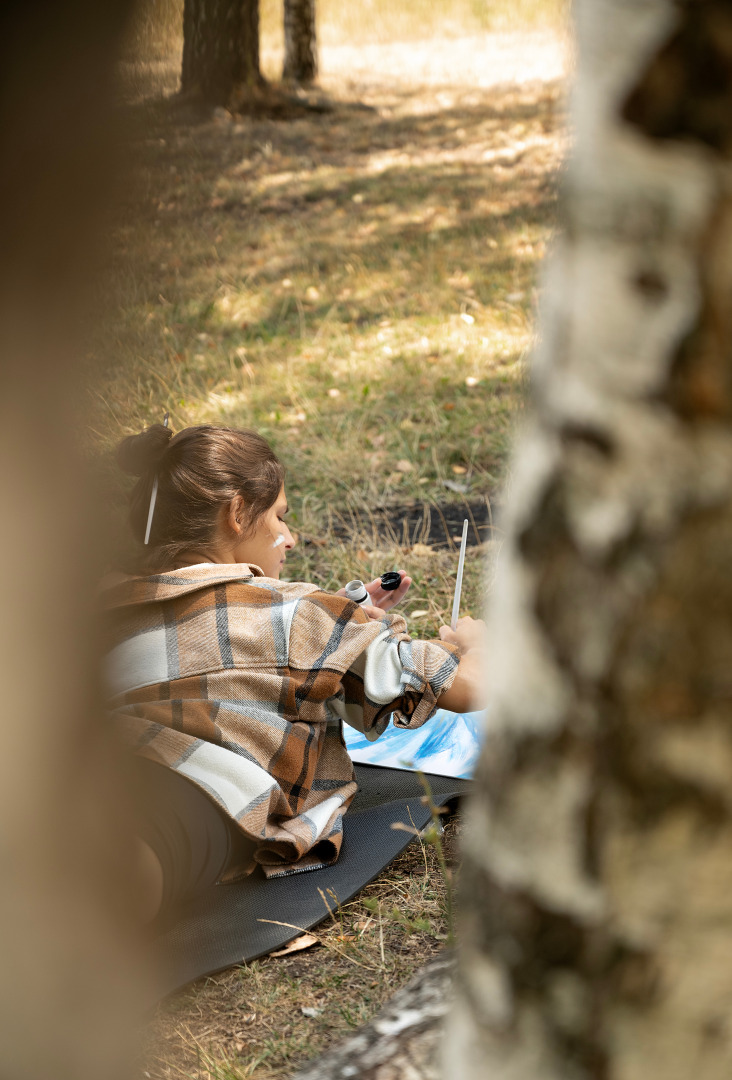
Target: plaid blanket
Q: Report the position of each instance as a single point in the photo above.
(241, 684)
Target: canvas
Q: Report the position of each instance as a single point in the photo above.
(447, 745)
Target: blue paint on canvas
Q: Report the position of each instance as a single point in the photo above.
(447, 745)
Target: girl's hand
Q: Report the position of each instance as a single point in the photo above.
(469, 634)
(384, 599)
(373, 612)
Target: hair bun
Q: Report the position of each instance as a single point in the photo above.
(141, 454)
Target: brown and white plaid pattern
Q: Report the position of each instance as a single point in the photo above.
(240, 683)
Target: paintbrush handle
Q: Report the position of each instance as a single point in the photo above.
(459, 582)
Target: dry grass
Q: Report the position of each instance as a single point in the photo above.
(359, 286)
(265, 1019)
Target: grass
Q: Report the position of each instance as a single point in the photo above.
(367, 308)
(265, 1019)
(360, 286)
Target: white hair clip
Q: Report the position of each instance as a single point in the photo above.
(153, 496)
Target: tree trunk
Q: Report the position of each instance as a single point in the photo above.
(220, 50)
(70, 994)
(402, 1041)
(597, 885)
(301, 57)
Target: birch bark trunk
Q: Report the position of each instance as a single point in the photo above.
(301, 55)
(597, 887)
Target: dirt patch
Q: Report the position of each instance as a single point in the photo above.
(433, 524)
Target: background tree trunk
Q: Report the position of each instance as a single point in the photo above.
(597, 886)
(301, 57)
(220, 50)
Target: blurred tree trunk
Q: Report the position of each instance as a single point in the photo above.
(70, 987)
(301, 56)
(221, 50)
(597, 887)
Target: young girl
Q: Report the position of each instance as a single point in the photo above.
(232, 685)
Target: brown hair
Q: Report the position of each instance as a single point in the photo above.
(199, 470)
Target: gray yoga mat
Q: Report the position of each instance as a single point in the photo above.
(225, 926)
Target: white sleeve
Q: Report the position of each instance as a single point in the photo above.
(394, 670)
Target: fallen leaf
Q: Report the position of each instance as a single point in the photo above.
(469, 319)
(449, 406)
(311, 293)
(471, 381)
(421, 549)
(454, 485)
(306, 1010)
(296, 945)
(459, 470)
(334, 392)
(404, 466)
(416, 615)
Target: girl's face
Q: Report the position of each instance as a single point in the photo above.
(268, 545)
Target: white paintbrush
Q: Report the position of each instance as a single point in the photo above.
(459, 583)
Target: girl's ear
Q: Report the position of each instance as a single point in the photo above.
(235, 515)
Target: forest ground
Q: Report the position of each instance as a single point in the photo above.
(360, 285)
